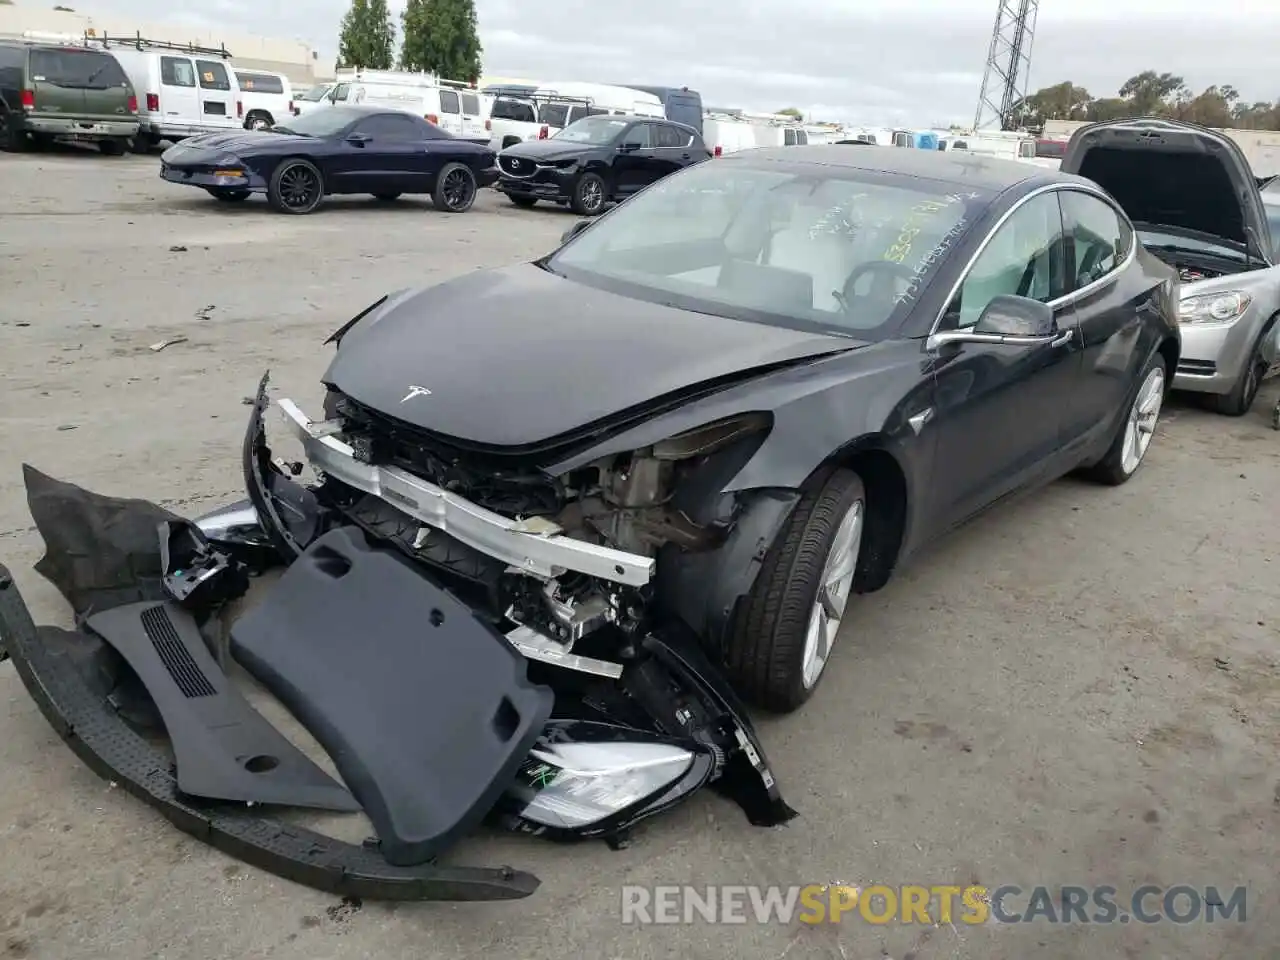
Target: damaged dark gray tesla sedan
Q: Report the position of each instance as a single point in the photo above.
(555, 519)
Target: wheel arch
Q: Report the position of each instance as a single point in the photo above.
(888, 505)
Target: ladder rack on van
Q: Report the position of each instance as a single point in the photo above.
(139, 42)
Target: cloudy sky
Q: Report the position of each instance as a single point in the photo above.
(872, 61)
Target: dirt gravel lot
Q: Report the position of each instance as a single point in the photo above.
(1082, 688)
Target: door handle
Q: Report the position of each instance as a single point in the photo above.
(684, 156)
(1063, 338)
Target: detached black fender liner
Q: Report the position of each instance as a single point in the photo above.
(93, 730)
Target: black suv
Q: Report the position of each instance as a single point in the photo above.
(597, 159)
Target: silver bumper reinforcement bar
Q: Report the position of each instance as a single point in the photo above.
(536, 546)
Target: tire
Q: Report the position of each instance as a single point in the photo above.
(589, 195)
(297, 187)
(387, 197)
(1239, 400)
(13, 139)
(455, 189)
(227, 195)
(767, 652)
(1119, 465)
(526, 203)
(114, 148)
(257, 120)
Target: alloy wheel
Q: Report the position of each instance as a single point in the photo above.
(458, 189)
(299, 188)
(1141, 424)
(592, 195)
(834, 589)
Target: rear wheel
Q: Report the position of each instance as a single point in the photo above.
(455, 189)
(1129, 448)
(114, 148)
(589, 195)
(12, 137)
(526, 202)
(782, 640)
(296, 187)
(258, 120)
(227, 195)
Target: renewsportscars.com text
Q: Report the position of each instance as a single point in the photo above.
(931, 905)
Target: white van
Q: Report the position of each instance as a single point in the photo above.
(449, 104)
(606, 98)
(267, 98)
(183, 90)
(726, 133)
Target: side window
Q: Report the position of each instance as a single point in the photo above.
(669, 137)
(902, 139)
(213, 75)
(391, 126)
(471, 105)
(340, 92)
(449, 102)
(1100, 239)
(639, 134)
(1025, 258)
(513, 110)
(259, 83)
(577, 112)
(177, 72)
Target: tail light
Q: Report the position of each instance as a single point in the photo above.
(28, 99)
(153, 103)
(544, 132)
(433, 119)
(718, 152)
(239, 110)
(488, 125)
(133, 104)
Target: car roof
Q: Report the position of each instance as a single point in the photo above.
(960, 168)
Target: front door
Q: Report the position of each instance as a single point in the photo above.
(1000, 408)
(634, 166)
(384, 154)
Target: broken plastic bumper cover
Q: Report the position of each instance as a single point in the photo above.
(85, 720)
(536, 546)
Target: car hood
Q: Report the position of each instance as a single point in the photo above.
(545, 151)
(516, 357)
(240, 141)
(1175, 174)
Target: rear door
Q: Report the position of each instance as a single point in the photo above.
(637, 166)
(57, 81)
(219, 95)
(473, 120)
(673, 149)
(179, 95)
(450, 115)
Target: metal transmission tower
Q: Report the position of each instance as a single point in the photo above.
(1008, 72)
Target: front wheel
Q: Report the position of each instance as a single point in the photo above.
(227, 195)
(296, 187)
(1129, 448)
(589, 195)
(1240, 399)
(782, 639)
(455, 189)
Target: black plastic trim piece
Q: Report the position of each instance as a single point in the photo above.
(109, 747)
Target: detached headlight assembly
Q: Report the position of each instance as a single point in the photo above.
(1225, 306)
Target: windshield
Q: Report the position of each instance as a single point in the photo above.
(594, 130)
(320, 123)
(1155, 239)
(316, 93)
(843, 251)
(80, 69)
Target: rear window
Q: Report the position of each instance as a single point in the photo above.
(471, 105)
(513, 110)
(259, 83)
(85, 69)
(554, 114)
(212, 75)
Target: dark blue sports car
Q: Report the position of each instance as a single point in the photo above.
(335, 150)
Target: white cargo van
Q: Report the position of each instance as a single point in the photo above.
(183, 90)
(267, 98)
(449, 104)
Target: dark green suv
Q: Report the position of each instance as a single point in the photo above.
(64, 93)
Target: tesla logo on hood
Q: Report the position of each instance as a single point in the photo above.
(416, 392)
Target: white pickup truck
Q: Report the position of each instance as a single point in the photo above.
(516, 116)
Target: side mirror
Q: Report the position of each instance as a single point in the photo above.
(1011, 316)
(573, 231)
(358, 139)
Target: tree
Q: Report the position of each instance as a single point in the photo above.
(441, 37)
(1152, 93)
(368, 36)
(791, 112)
